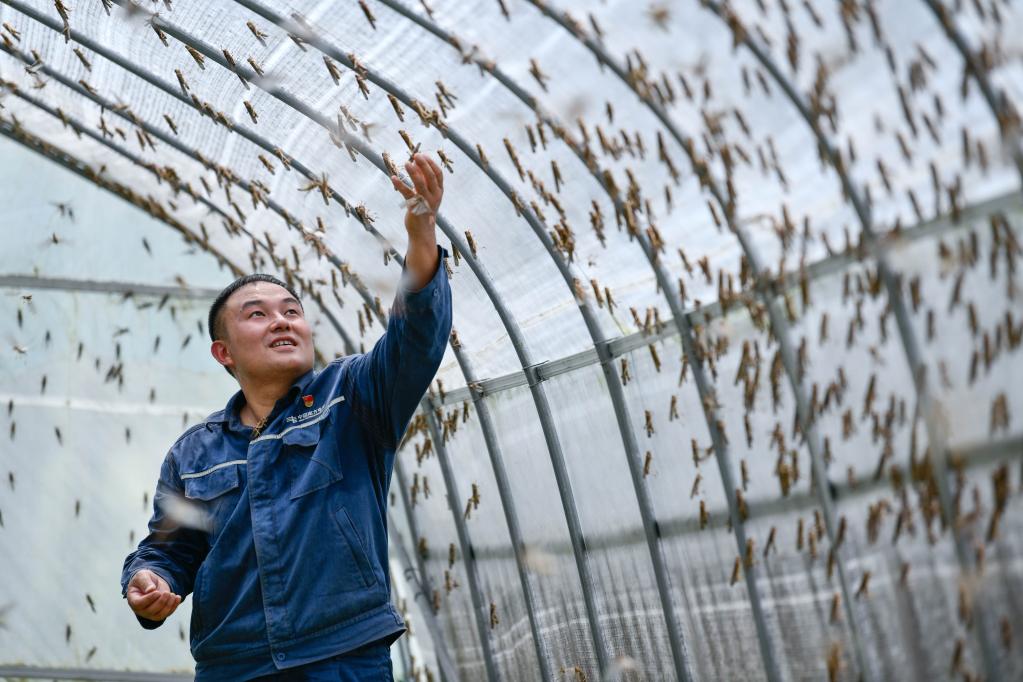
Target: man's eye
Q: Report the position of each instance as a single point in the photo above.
(292, 310)
(256, 312)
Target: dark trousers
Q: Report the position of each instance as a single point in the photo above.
(370, 663)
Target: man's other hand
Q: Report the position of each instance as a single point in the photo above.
(150, 597)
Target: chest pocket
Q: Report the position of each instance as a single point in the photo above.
(211, 485)
(312, 458)
(209, 493)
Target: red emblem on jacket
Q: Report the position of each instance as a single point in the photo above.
(308, 400)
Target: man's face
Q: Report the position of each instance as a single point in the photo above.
(266, 333)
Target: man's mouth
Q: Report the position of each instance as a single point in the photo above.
(282, 342)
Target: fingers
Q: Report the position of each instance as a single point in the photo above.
(156, 605)
(427, 181)
(434, 170)
(150, 596)
(162, 607)
(402, 188)
(139, 602)
(420, 177)
(168, 604)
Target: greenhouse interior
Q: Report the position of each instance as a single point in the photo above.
(734, 357)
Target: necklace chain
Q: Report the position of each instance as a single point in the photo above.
(259, 426)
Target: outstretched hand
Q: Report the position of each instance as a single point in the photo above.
(150, 597)
(428, 183)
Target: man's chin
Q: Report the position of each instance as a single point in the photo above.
(290, 363)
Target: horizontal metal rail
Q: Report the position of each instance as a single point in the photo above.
(104, 287)
(28, 672)
(972, 457)
(1008, 203)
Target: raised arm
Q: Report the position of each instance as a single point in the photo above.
(385, 384)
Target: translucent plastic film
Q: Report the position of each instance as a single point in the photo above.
(734, 382)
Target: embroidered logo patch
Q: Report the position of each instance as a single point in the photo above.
(309, 414)
(308, 400)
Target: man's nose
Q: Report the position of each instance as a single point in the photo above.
(279, 321)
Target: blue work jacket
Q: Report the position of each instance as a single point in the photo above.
(282, 540)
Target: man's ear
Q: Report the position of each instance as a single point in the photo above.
(221, 353)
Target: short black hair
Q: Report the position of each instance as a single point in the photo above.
(215, 324)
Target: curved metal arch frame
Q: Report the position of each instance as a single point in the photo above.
(777, 321)
(184, 150)
(76, 166)
(176, 145)
(465, 545)
(92, 178)
(671, 295)
(926, 401)
(191, 236)
(365, 296)
(79, 167)
(999, 103)
(539, 395)
(170, 90)
(347, 340)
(623, 421)
(491, 440)
(424, 578)
(1002, 109)
(518, 343)
(509, 509)
(678, 644)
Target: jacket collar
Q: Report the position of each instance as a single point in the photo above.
(229, 414)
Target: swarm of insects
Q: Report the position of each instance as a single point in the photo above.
(829, 307)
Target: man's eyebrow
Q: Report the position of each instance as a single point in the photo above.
(255, 301)
(259, 301)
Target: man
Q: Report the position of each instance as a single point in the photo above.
(272, 511)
